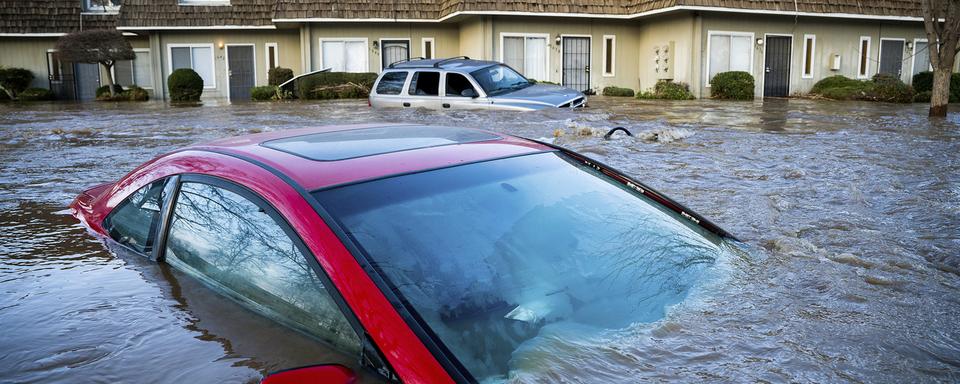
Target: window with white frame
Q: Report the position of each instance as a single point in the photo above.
(198, 57)
(526, 54)
(101, 5)
(135, 72)
(921, 56)
(272, 56)
(344, 55)
(729, 51)
(863, 61)
(428, 47)
(809, 54)
(609, 55)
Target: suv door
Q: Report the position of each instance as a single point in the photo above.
(461, 93)
(424, 90)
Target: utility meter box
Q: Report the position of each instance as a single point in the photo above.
(835, 63)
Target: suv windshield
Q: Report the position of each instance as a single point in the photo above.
(499, 79)
(511, 260)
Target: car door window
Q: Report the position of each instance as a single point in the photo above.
(459, 86)
(134, 221)
(425, 84)
(391, 83)
(238, 247)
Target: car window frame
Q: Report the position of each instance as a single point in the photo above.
(155, 231)
(371, 357)
(415, 74)
(473, 83)
(403, 88)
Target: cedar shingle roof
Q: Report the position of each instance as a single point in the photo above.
(61, 16)
(169, 13)
(49, 16)
(435, 9)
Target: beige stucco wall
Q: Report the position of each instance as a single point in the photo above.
(446, 38)
(833, 37)
(676, 31)
(288, 48)
(29, 53)
(628, 36)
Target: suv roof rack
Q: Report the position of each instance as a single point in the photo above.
(437, 64)
(405, 60)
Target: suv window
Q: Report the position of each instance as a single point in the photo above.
(391, 83)
(134, 221)
(456, 84)
(425, 84)
(236, 246)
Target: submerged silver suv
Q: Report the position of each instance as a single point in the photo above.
(462, 83)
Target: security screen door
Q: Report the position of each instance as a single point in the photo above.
(240, 71)
(576, 63)
(394, 51)
(891, 57)
(776, 77)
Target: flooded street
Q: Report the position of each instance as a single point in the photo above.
(850, 213)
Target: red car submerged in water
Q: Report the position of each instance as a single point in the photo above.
(431, 254)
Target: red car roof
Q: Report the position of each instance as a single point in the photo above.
(332, 155)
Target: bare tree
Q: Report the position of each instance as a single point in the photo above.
(102, 47)
(941, 18)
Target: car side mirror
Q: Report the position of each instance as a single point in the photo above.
(326, 374)
(469, 92)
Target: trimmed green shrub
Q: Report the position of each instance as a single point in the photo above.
(880, 88)
(136, 93)
(185, 85)
(922, 97)
(891, 89)
(617, 92)
(668, 90)
(923, 81)
(36, 94)
(335, 85)
(105, 90)
(263, 93)
(279, 75)
(733, 85)
(15, 80)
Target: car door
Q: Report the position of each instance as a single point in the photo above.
(424, 91)
(461, 93)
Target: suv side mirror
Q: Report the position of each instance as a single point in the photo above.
(326, 373)
(469, 92)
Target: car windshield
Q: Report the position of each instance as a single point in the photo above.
(499, 79)
(504, 259)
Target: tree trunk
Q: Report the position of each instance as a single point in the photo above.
(109, 78)
(940, 95)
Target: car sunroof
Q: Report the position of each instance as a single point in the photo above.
(353, 143)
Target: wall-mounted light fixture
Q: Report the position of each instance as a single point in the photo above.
(910, 45)
(557, 40)
(220, 45)
(760, 41)
(376, 45)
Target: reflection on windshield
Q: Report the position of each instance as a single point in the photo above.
(495, 255)
(499, 79)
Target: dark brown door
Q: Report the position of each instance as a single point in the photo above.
(576, 63)
(240, 72)
(776, 77)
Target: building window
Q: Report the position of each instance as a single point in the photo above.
(863, 64)
(729, 51)
(609, 54)
(101, 5)
(921, 56)
(135, 72)
(526, 53)
(428, 48)
(394, 51)
(344, 55)
(809, 49)
(198, 57)
(54, 66)
(273, 56)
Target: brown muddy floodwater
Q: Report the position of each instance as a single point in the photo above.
(850, 211)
